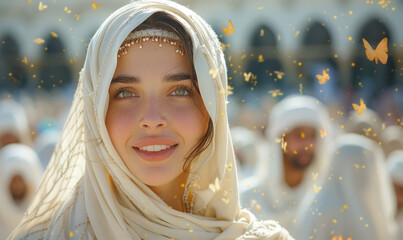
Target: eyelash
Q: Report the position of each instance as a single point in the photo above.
(124, 89)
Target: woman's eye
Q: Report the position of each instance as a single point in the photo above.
(125, 94)
(180, 92)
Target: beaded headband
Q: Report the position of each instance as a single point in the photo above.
(155, 35)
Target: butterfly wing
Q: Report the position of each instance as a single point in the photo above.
(381, 50)
(320, 78)
(368, 50)
(231, 27)
(357, 108)
(362, 104)
(325, 75)
(228, 31)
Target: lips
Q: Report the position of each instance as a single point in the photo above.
(155, 149)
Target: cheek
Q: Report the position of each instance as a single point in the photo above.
(189, 121)
(118, 123)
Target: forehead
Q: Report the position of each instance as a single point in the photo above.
(151, 59)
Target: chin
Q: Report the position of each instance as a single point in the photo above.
(156, 177)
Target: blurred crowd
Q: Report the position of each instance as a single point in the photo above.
(319, 176)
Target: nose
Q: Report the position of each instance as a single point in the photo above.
(152, 118)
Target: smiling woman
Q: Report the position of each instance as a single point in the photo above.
(146, 139)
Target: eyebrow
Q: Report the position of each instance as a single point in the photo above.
(169, 78)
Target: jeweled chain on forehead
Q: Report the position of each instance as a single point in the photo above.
(155, 35)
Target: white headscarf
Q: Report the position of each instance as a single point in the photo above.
(368, 124)
(395, 168)
(14, 120)
(392, 139)
(356, 198)
(16, 159)
(268, 192)
(78, 199)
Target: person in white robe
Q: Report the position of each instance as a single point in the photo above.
(354, 199)
(20, 174)
(291, 159)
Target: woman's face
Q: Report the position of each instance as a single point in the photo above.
(155, 115)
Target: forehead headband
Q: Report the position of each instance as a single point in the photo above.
(155, 35)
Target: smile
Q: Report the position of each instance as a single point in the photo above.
(155, 148)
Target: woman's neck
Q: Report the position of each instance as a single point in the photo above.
(172, 192)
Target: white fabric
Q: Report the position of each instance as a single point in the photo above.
(245, 141)
(77, 197)
(268, 193)
(392, 139)
(16, 159)
(368, 124)
(356, 199)
(14, 120)
(395, 166)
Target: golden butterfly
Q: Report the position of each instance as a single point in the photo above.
(316, 188)
(275, 93)
(380, 53)
(360, 108)
(230, 30)
(279, 74)
(323, 79)
(42, 6)
(95, 5)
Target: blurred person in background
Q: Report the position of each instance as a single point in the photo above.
(20, 174)
(245, 144)
(368, 124)
(353, 199)
(392, 139)
(395, 168)
(297, 131)
(14, 127)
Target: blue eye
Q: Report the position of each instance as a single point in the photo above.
(180, 92)
(125, 94)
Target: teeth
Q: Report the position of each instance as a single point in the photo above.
(154, 148)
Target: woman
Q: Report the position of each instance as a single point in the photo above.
(354, 198)
(146, 152)
(20, 174)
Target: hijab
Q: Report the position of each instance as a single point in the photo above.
(16, 159)
(355, 199)
(88, 192)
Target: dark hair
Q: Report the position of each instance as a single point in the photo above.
(164, 21)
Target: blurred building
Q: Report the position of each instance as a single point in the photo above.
(298, 38)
